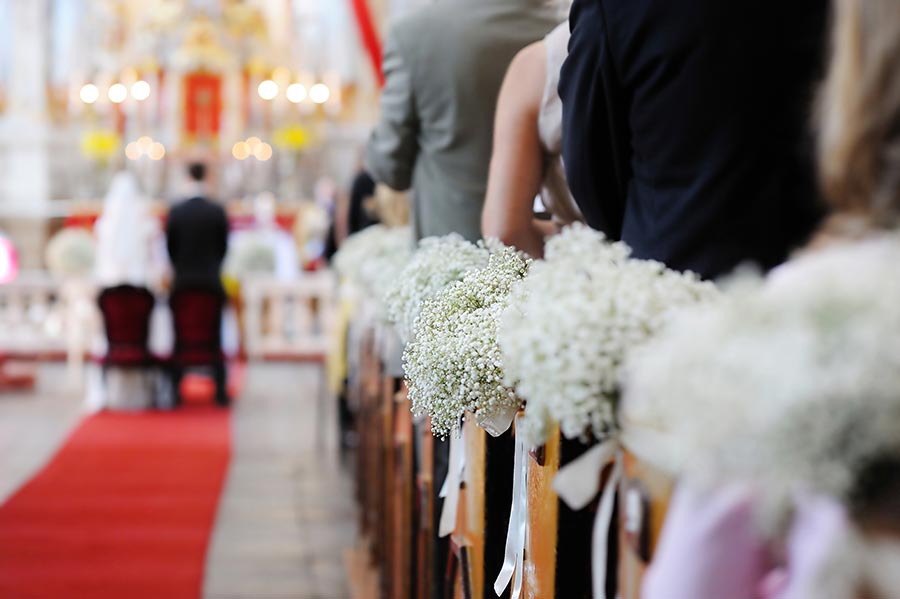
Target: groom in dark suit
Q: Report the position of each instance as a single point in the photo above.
(197, 240)
(197, 236)
(685, 126)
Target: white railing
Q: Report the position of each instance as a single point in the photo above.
(41, 316)
(32, 315)
(289, 319)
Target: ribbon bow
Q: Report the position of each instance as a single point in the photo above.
(578, 483)
(516, 533)
(450, 489)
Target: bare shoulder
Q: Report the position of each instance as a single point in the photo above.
(526, 76)
(529, 61)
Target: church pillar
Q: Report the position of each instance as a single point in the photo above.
(24, 133)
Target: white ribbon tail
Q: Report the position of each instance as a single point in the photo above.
(514, 558)
(450, 488)
(601, 529)
(578, 482)
(497, 424)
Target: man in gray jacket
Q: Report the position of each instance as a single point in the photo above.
(443, 66)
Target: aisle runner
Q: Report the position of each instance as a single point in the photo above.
(124, 510)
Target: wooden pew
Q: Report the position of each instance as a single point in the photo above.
(644, 498)
(483, 517)
(403, 574)
(470, 522)
(558, 548)
(543, 511)
(384, 511)
(425, 572)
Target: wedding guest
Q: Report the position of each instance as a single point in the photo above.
(127, 237)
(197, 236)
(352, 212)
(361, 213)
(526, 157)
(710, 547)
(685, 126)
(443, 66)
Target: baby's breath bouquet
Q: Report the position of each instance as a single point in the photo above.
(71, 253)
(249, 256)
(453, 364)
(374, 257)
(791, 383)
(570, 324)
(438, 262)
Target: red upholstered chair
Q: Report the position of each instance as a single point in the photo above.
(126, 316)
(197, 317)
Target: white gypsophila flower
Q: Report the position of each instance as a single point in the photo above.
(453, 364)
(794, 384)
(250, 255)
(854, 562)
(437, 262)
(374, 257)
(570, 324)
(71, 253)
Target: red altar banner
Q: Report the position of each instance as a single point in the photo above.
(202, 104)
(369, 35)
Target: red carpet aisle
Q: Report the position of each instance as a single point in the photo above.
(123, 511)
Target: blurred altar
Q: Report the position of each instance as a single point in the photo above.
(275, 96)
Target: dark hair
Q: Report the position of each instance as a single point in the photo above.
(197, 171)
(874, 501)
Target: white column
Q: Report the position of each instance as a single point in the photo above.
(24, 134)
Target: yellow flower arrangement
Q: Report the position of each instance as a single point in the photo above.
(100, 145)
(292, 138)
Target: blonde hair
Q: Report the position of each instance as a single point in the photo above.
(859, 113)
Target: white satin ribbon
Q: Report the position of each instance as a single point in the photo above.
(516, 533)
(578, 483)
(497, 424)
(450, 489)
(601, 528)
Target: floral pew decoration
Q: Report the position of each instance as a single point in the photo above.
(439, 264)
(791, 391)
(564, 336)
(453, 360)
(371, 259)
(366, 263)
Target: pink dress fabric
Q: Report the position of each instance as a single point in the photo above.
(711, 548)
